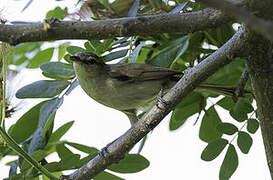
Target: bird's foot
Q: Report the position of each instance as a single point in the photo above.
(104, 151)
(160, 102)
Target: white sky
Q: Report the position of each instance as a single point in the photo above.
(172, 155)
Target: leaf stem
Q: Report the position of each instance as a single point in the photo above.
(4, 74)
(12, 144)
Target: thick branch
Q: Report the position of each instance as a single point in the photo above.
(116, 150)
(260, 68)
(259, 25)
(103, 29)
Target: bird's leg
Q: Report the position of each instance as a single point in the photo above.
(160, 102)
(131, 114)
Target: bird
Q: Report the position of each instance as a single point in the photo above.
(127, 87)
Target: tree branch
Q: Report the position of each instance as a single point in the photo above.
(259, 64)
(103, 29)
(259, 25)
(116, 150)
(239, 91)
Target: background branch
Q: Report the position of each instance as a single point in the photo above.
(259, 25)
(116, 150)
(103, 29)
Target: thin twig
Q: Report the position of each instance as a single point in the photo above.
(240, 88)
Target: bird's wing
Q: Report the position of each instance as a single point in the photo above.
(139, 72)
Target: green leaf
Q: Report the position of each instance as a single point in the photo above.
(133, 10)
(106, 175)
(41, 57)
(229, 164)
(252, 125)
(56, 136)
(56, 174)
(27, 124)
(73, 85)
(37, 141)
(107, 44)
(58, 69)
(47, 110)
(189, 106)
(86, 159)
(97, 46)
(63, 152)
(220, 35)
(67, 58)
(62, 50)
(213, 149)
(178, 8)
(57, 12)
(208, 131)
(74, 49)
(132, 163)
(228, 74)
(20, 60)
(134, 55)
(38, 156)
(89, 47)
(165, 57)
(244, 141)
(69, 162)
(227, 128)
(241, 109)
(42, 89)
(82, 147)
(115, 55)
(182, 50)
(226, 103)
(24, 48)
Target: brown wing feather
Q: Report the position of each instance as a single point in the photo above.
(140, 71)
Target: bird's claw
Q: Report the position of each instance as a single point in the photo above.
(160, 102)
(52, 20)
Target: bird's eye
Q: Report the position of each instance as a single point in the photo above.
(91, 60)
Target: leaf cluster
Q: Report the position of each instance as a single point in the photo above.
(34, 130)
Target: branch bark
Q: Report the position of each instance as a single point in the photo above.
(260, 68)
(116, 150)
(103, 29)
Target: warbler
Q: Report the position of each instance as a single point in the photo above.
(126, 87)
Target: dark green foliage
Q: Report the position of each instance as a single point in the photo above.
(241, 109)
(252, 125)
(227, 128)
(24, 128)
(244, 141)
(42, 89)
(210, 121)
(58, 70)
(106, 175)
(229, 164)
(190, 105)
(41, 57)
(170, 53)
(58, 13)
(34, 130)
(213, 149)
(130, 164)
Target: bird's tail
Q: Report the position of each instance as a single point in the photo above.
(220, 89)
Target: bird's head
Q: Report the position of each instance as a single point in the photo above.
(86, 58)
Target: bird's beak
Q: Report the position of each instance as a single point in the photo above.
(75, 58)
